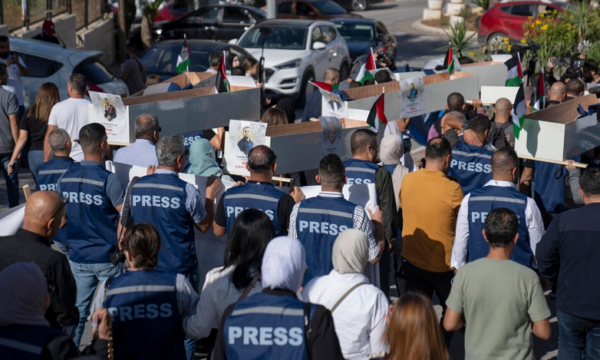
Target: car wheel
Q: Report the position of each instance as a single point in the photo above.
(495, 41)
(305, 89)
(359, 5)
(344, 72)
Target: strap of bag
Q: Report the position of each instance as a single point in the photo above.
(307, 329)
(346, 295)
(125, 221)
(249, 287)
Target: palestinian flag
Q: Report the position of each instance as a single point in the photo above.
(519, 110)
(448, 61)
(183, 59)
(514, 74)
(539, 102)
(377, 115)
(223, 84)
(325, 86)
(365, 71)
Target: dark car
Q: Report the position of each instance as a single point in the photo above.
(161, 59)
(360, 34)
(214, 22)
(312, 10)
(357, 5)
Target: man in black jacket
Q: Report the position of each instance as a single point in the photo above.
(44, 215)
(569, 255)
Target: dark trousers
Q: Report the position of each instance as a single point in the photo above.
(577, 337)
(401, 283)
(384, 271)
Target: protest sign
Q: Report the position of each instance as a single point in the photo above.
(242, 137)
(332, 135)
(109, 110)
(412, 100)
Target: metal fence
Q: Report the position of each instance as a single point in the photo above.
(21, 13)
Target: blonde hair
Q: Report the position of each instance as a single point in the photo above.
(45, 99)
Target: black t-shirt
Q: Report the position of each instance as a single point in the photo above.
(36, 129)
(284, 209)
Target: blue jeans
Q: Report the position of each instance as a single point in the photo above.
(578, 338)
(63, 248)
(12, 181)
(190, 344)
(87, 277)
(36, 158)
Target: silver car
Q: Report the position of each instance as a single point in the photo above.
(52, 63)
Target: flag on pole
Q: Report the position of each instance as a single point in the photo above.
(448, 61)
(183, 59)
(325, 86)
(519, 110)
(514, 74)
(365, 71)
(377, 115)
(539, 102)
(223, 75)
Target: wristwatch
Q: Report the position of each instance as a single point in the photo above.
(465, 127)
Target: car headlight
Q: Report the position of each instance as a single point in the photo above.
(158, 31)
(290, 64)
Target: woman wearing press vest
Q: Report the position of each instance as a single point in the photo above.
(275, 324)
(147, 306)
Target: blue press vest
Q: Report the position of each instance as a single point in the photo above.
(146, 318)
(51, 171)
(24, 342)
(261, 196)
(92, 230)
(360, 171)
(549, 192)
(319, 222)
(159, 199)
(486, 199)
(471, 165)
(265, 326)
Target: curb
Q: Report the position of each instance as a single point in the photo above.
(418, 25)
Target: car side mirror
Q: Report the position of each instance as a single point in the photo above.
(233, 41)
(318, 45)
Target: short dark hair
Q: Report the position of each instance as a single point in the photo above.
(575, 87)
(142, 242)
(570, 73)
(369, 82)
(214, 58)
(355, 84)
(437, 149)
(504, 160)
(361, 139)
(501, 226)
(465, 60)
(261, 158)
(590, 181)
(3, 38)
(78, 83)
(383, 76)
(455, 101)
(146, 125)
(591, 65)
(91, 136)
(479, 124)
(332, 170)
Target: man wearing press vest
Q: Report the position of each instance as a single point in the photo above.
(95, 196)
(363, 169)
(471, 152)
(500, 192)
(174, 207)
(259, 193)
(317, 221)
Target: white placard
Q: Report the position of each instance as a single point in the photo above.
(109, 110)
(501, 57)
(242, 137)
(11, 220)
(412, 100)
(332, 135)
(334, 106)
(491, 94)
(245, 81)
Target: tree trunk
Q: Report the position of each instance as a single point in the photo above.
(122, 32)
(146, 33)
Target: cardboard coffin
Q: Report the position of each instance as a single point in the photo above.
(559, 133)
(491, 73)
(195, 78)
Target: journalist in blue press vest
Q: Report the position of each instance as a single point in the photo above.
(259, 193)
(147, 306)
(317, 221)
(362, 168)
(175, 208)
(471, 152)
(94, 196)
(500, 192)
(275, 324)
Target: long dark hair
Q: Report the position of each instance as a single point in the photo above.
(248, 239)
(142, 242)
(45, 99)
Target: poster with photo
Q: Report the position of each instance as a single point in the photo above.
(332, 135)
(243, 136)
(413, 97)
(333, 105)
(109, 110)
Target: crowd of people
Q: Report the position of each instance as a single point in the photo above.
(301, 278)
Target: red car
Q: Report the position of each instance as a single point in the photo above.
(171, 10)
(506, 19)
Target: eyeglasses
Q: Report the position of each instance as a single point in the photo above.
(65, 202)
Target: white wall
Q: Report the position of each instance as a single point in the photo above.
(99, 36)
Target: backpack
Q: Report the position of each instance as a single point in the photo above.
(498, 136)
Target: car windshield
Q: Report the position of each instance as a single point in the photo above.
(162, 59)
(328, 7)
(94, 71)
(356, 32)
(282, 37)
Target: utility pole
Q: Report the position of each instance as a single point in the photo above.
(271, 9)
(122, 32)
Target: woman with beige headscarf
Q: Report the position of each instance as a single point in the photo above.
(391, 151)
(358, 308)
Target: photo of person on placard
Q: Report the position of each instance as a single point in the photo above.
(245, 144)
(110, 111)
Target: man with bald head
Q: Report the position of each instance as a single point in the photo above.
(143, 151)
(557, 94)
(44, 215)
(312, 109)
(500, 192)
(501, 130)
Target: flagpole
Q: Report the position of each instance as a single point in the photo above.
(187, 68)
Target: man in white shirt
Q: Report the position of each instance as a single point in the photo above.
(71, 115)
(500, 192)
(16, 67)
(143, 151)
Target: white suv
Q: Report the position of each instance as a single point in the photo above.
(296, 52)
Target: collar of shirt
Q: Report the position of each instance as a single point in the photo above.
(26, 235)
(62, 158)
(148, 142)
(331, 194)
(260, 183)
(348, 277)
(165, 171)
(500, 183)
(91, 163)
(279, 292)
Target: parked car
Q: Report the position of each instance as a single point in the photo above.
(296, 52)
(311, 10)
(168, 11)
(360, 34)
(52, 63)
(357, 5)
(161, 59)
(214, 22)
(506, 19)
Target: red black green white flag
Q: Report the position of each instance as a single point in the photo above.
(325, 86)
(377, 114)
(448, 61)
